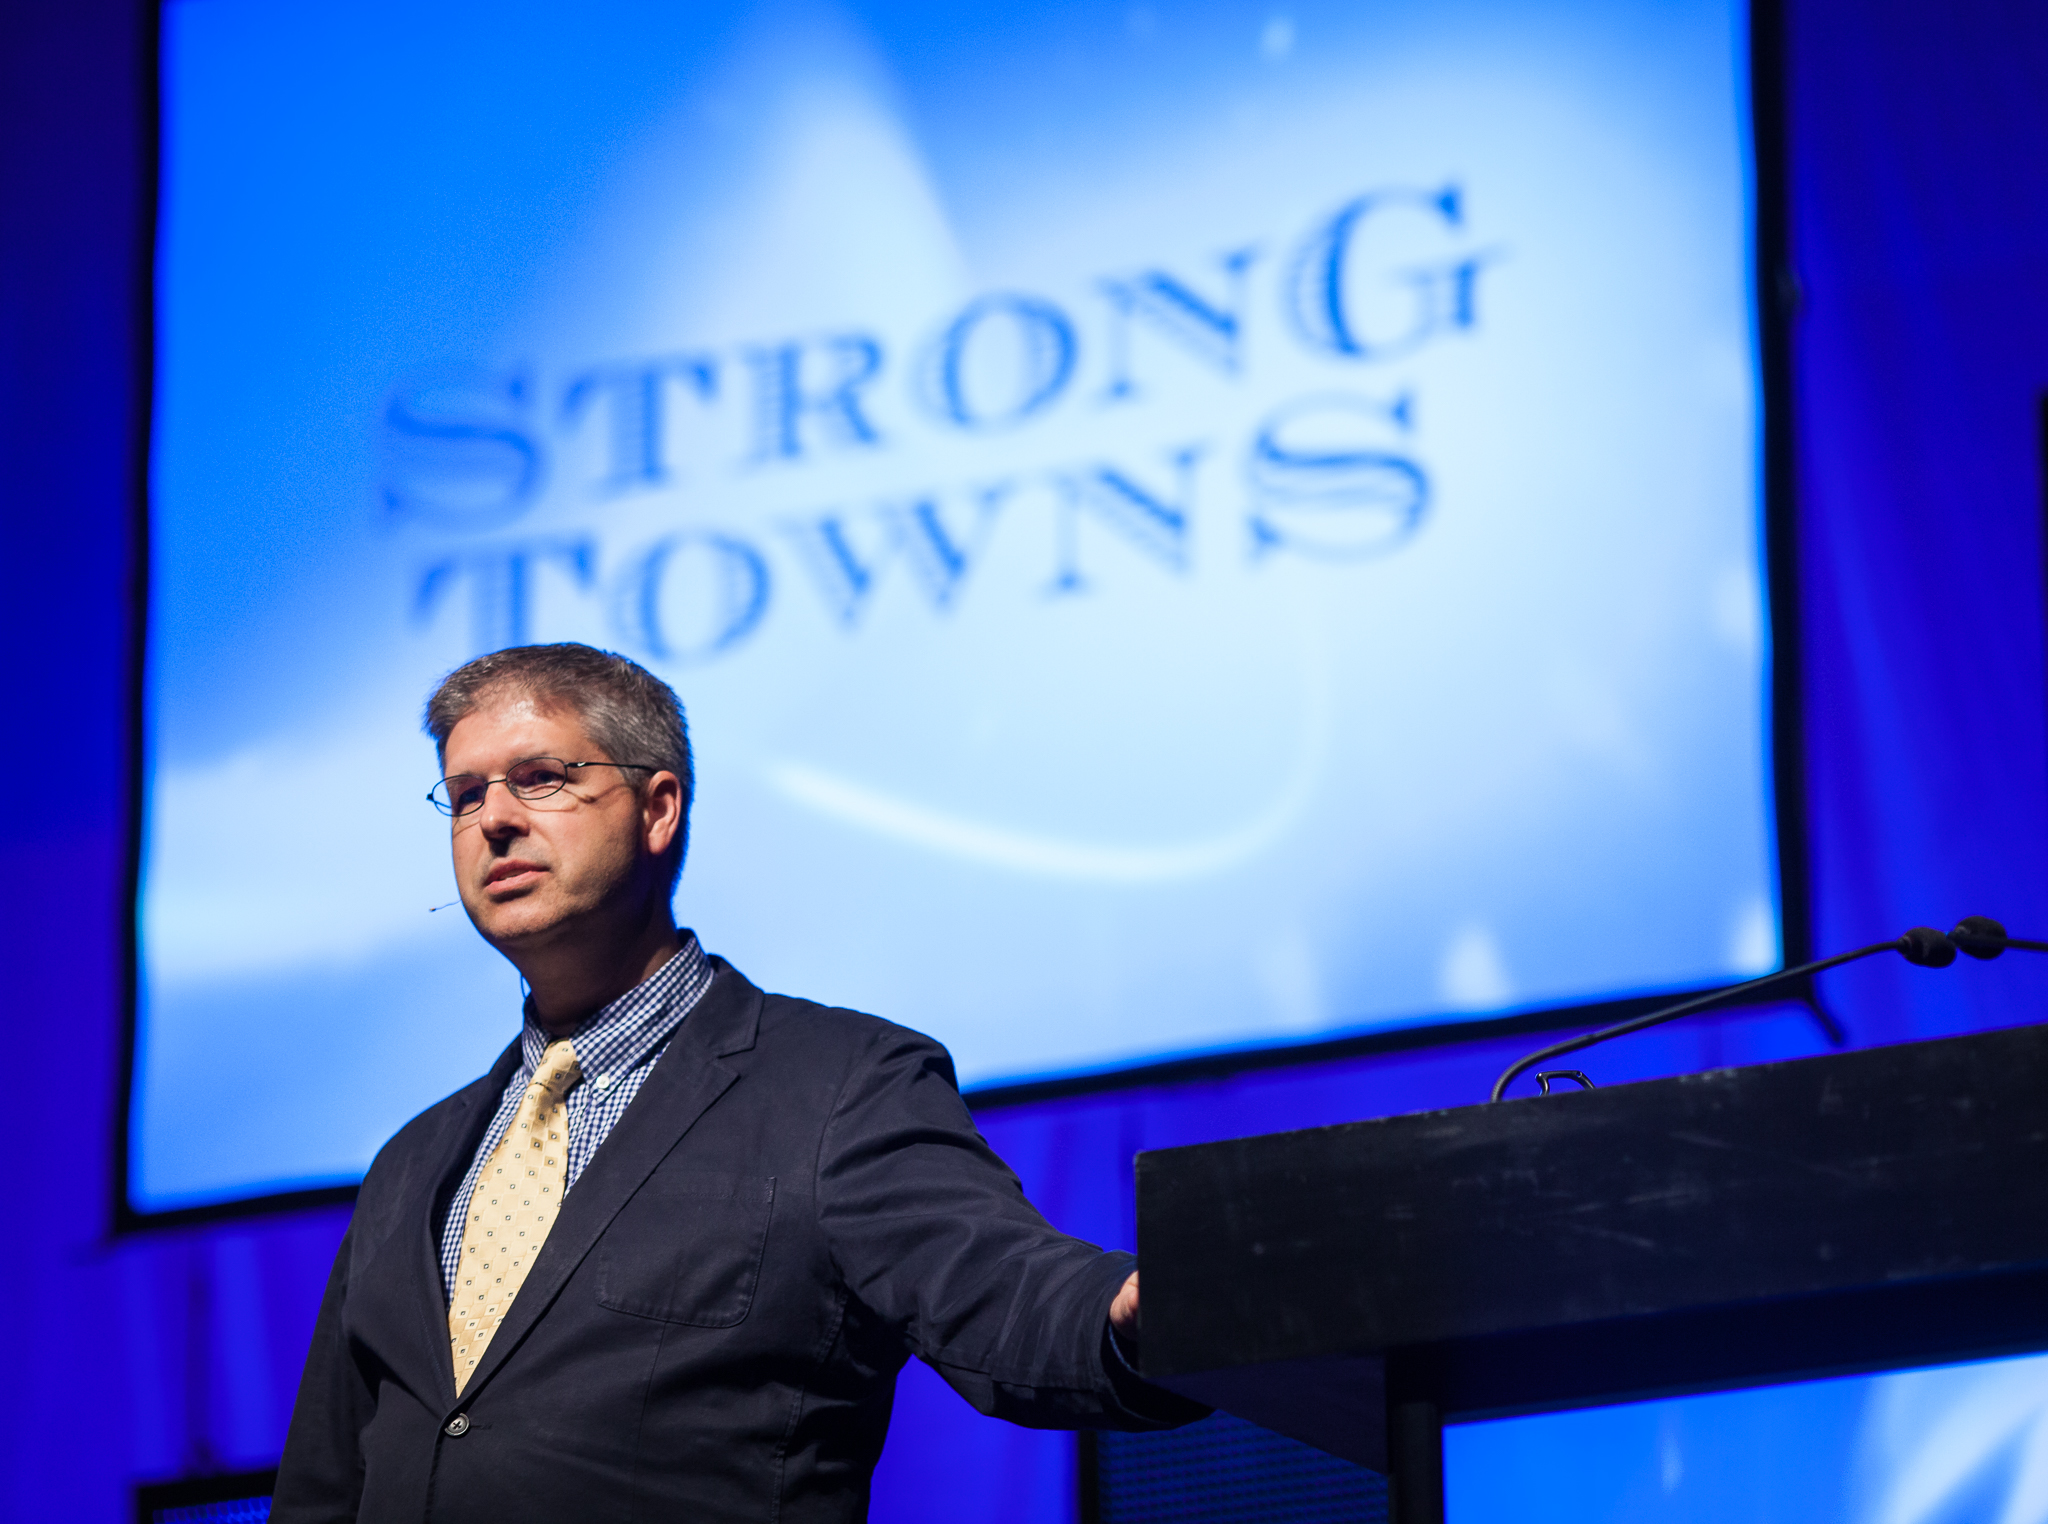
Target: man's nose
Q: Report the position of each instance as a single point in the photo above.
(502, 813)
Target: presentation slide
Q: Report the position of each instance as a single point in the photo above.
(1179, 527)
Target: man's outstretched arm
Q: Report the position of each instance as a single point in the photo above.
(932, 1232)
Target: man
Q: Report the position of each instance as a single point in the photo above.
(666, 1258)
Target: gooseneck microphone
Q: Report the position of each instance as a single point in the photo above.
(1982, 937)
(1979, 936)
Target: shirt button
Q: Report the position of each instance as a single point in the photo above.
(458, 1425)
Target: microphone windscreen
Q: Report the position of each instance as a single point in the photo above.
(1927, 947)
(1979, 936)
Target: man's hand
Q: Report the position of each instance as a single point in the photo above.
(1123, 1312)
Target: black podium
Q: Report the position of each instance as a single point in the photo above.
(1355, 1286)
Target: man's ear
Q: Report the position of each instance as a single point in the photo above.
(661, 811)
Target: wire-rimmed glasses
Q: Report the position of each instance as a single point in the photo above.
(532, 778)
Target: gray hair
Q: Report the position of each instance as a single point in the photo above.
(624, 708)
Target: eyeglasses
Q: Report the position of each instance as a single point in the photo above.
(534, 778)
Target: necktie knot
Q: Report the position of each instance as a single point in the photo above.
(559, 1070)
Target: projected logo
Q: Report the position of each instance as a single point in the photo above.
(1204, 410)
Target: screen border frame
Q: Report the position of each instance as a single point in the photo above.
(1774, 299)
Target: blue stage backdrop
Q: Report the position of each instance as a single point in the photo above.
(1920, 221)
(1179, 527)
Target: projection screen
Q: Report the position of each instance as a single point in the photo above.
(1179, 528)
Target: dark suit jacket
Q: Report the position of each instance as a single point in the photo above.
(795, 1201)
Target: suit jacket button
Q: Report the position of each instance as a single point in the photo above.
(458, 1425)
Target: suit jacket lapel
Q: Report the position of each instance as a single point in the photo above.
(683, 1086)
(400, 1291)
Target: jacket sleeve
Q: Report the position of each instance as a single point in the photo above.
(932, 1233)
(320, 1479)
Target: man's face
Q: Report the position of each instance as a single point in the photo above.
(531, 871)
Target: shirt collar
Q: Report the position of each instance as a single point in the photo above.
(621, 1035)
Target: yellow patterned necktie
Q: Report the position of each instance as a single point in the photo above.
(518, 1196)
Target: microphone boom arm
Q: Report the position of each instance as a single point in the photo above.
(1922, 944)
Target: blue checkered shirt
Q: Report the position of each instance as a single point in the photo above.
(616, 1049)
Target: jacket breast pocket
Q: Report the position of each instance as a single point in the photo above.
(687, 1248)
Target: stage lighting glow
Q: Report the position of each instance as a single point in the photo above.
(1931, 1446)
